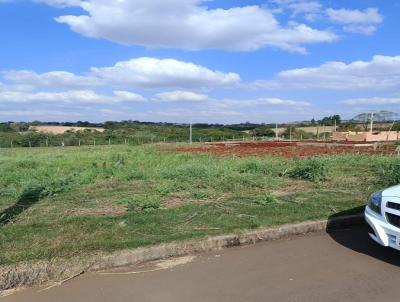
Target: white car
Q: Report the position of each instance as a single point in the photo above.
(383, 217)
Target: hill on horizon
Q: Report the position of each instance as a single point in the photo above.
(380, 116)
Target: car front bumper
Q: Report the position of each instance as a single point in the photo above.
(381, 231)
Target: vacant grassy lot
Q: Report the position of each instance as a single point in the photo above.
(64, 202)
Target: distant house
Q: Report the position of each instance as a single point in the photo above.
(62, 129)
(376, 136)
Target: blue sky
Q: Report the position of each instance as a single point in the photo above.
(200, 61)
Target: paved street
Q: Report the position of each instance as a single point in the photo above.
(341, 266)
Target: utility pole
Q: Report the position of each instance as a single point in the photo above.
(335, 125)
(276, 131)
(372, 122)
(190, 134)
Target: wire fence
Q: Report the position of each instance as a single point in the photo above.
(59, 141)
(67, 141)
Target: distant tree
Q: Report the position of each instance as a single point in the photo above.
(6, 127)
(396, 126)
(36, 123)
(110, 125)
(19, 127)
(296, 133)
(350, 127)
(330, 120)
(263, 131)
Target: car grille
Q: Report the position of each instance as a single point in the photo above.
(393, 219)
(392, 205)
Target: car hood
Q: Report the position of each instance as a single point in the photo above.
(392, 191)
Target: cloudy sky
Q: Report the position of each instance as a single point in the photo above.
(223, 61)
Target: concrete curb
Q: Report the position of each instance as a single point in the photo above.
(45, 271)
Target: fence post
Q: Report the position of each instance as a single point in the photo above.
(12, 145)
(79, 142)
(47, 142)
(109, 141)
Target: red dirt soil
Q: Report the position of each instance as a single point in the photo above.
(284, 149)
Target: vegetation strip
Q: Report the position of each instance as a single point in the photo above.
(62, 203)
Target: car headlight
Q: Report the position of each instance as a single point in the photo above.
(375, 201)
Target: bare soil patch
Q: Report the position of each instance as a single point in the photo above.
(285, 149)
(101, 210)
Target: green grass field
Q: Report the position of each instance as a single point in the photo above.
(63, 202)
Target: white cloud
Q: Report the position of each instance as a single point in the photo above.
(152, 72)
(196, 113)
(139, 72)
(259, 102)
(68, 97)
(278, 101)
(299, 6)
(29, 114)
(128, 96)
(381, 73)
(360, 29)
(187, 96)
(353, 20)
(50, 79)
(189, 24)
(181, 96)
(348, 16)
(60, 3)
(356, 21)
(373, 101)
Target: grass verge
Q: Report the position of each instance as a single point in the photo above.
(64, 202)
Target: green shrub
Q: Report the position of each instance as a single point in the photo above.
(389, 173)
(189, 172)
(252, 165)
(134, 175)
(55, 186)
(31, 192)
(196, 193)
(118, 160)
(144, 203)
(312, 169)
(26, 164)
(265, 199)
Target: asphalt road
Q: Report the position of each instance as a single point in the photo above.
(341, 266)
